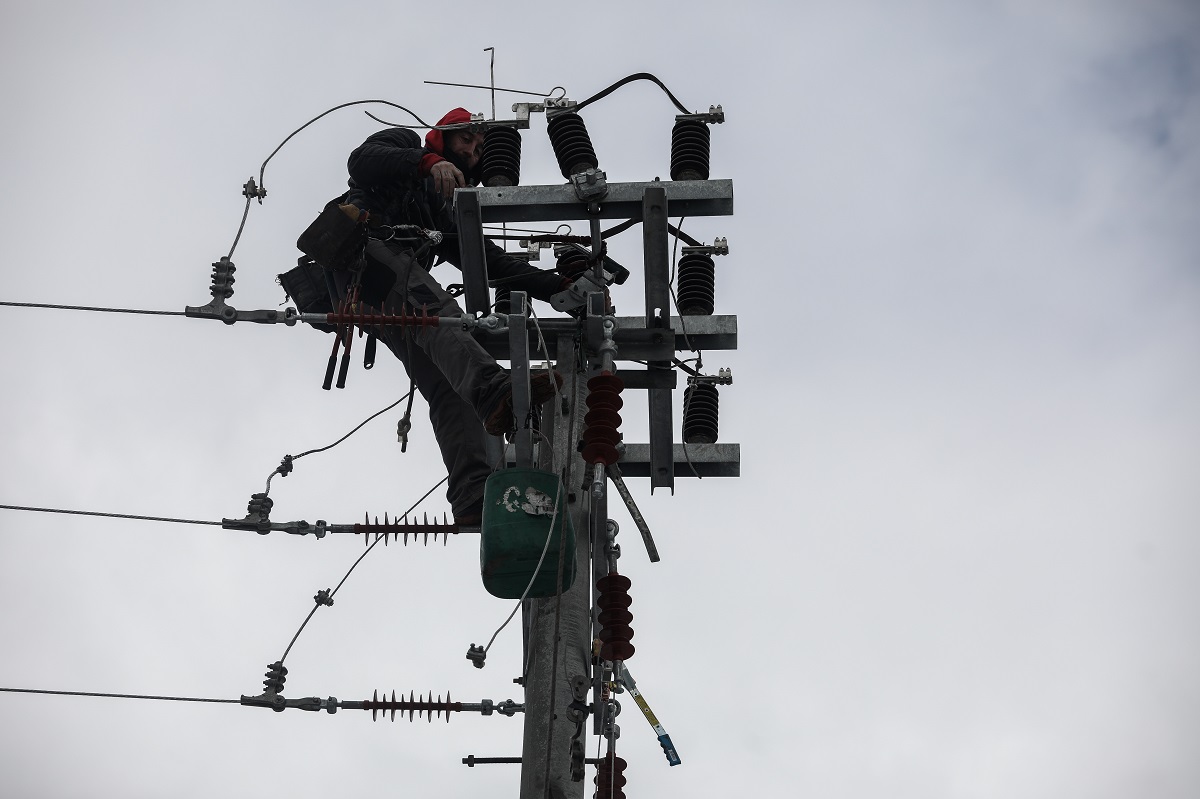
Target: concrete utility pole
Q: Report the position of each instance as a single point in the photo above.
(563, 681)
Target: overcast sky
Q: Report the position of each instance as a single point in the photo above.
(962, 557)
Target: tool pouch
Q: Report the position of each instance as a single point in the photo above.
(305, 284)
(334, 239)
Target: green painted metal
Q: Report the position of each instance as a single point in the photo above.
(518, 506)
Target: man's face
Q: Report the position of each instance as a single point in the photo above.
(464, 148)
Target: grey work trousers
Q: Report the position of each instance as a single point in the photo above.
(459, 380)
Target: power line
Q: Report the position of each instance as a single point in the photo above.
(118, 696)
(88, 308)
(110, 515)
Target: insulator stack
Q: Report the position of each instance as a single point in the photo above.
(501, 163)
(372, 319)
(276, 676)
(615, 617)
(610, 777)
(700, 405)
(600, 435)
(222, 279)
(503, 300)
(403, 529)
(689, 150)
(416, 706)
(696, 284)
(570, 262)
(571, 143)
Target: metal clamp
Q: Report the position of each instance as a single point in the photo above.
(590, 185)
(715, 116)
(720, 246)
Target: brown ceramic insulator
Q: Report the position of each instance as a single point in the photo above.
(416, 706)
(606, 382)
(601, 423)
(614, 583)
(615, 617)
(610, 778)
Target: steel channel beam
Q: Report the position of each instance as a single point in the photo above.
(518, 343)
(471, 251)
(636, 341)
(690, 198)
(709, 460)
(656, 260)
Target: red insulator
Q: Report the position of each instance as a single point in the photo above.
(419, 706)
(615, 617)
(600, 436)
(404, 528)
(373, 319)
(610, 777)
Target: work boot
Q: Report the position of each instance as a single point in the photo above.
(541, 388)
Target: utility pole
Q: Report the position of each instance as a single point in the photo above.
(565, 680)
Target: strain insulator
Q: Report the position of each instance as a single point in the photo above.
(615, 617)
(696, 284)
(689, 150)
(600, 434)
(571, 143)
(501, 162)
(610, 777)
(276, 676)
(700, 405)
(373, 319)
(403, 529)
(416, 706)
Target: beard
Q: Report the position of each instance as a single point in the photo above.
(472, 175)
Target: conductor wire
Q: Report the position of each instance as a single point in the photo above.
(110, 515)
(292, 458)
(263, 169)
(88, 308)
(636, 76)
(118, 696)
(352, 568)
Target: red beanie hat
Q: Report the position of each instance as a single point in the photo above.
(433, 139)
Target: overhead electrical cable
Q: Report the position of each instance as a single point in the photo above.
(636, 76)
(332, 593)
(110, 515)
(88, 308)
(118, 696)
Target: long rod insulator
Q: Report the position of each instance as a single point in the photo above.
(402, 529)
(373, 319)
(416, 706)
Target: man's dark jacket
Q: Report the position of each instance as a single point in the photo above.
(386, 179)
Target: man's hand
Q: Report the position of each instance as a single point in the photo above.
(446, 178)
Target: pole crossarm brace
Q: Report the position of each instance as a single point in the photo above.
(690, 198)
(635, 340)
(706, 460)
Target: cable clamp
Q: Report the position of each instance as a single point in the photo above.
(720, 246)
(250, 190)
(715, 116)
